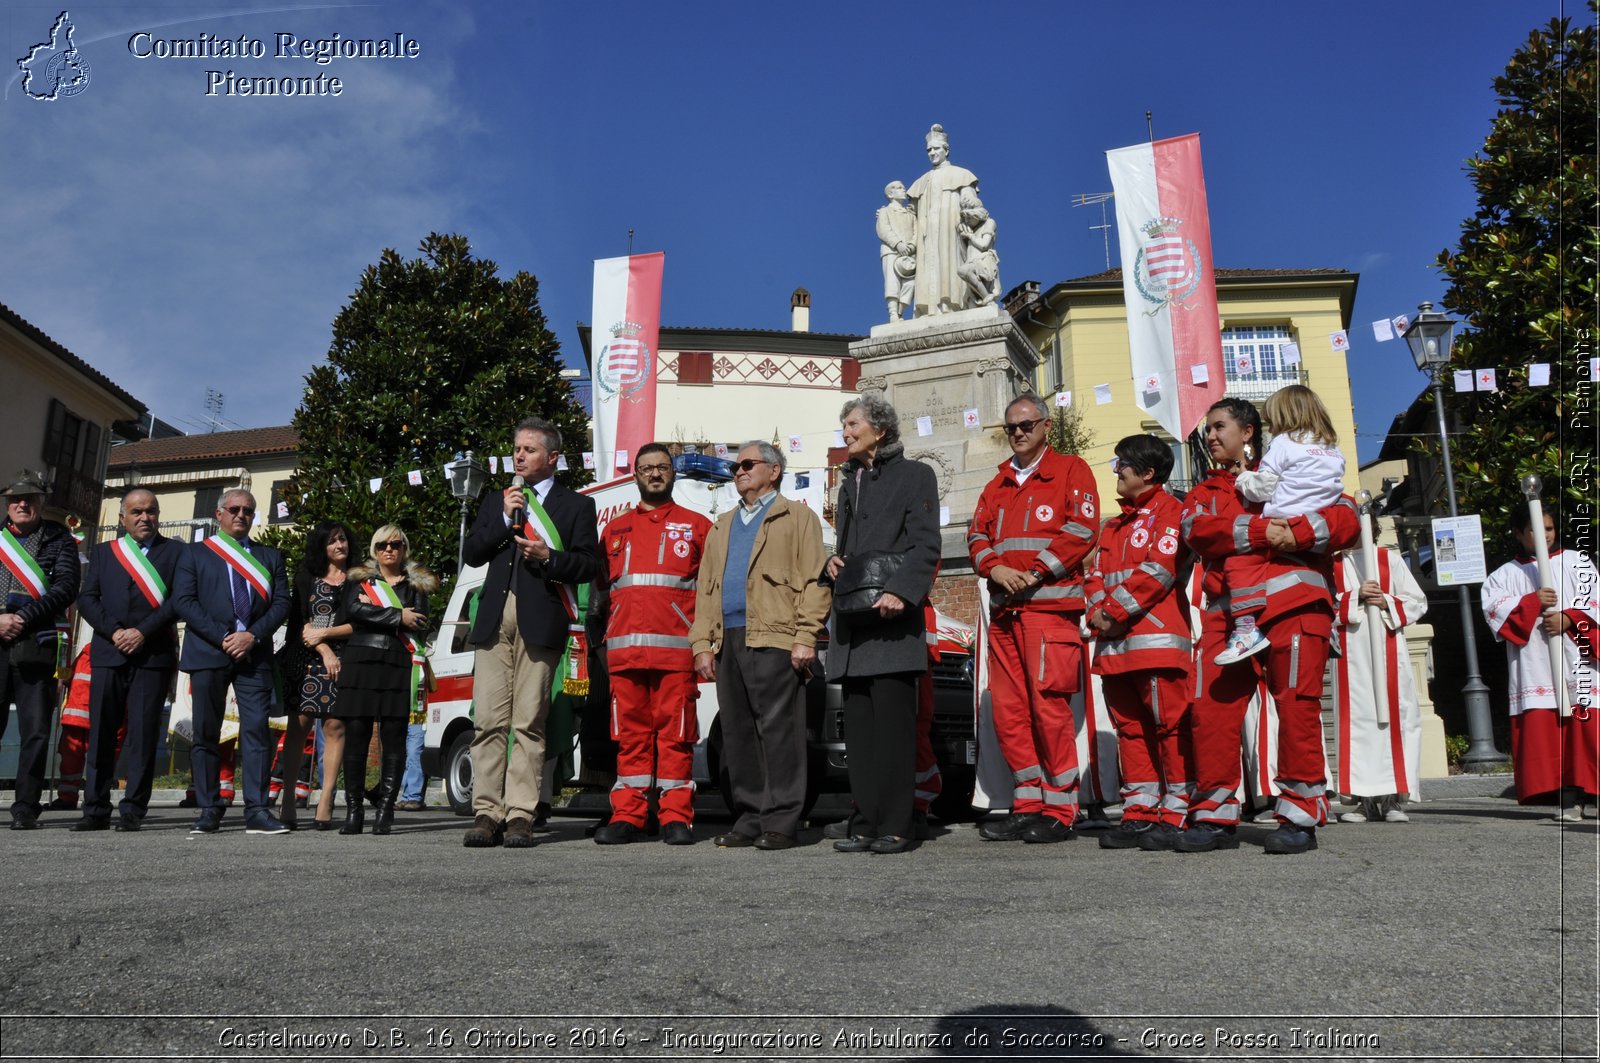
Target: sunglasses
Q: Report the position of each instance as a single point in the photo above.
(749, 463)
(1023, 427)
(240, 511)
(392, 544)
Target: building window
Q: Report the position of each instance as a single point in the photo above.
(280, 490)
(694, 367)
(1252, 360)
(206, 500)
(1053, 369)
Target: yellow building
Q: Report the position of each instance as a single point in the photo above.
(189, 473)
(60, 416)
(1080, 327)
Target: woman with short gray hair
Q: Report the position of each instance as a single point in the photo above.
(887, 520)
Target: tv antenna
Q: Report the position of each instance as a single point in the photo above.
(214, 399)
(1089, 199)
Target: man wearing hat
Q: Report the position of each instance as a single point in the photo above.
(38, 582)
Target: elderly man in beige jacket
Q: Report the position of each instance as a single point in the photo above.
(759, 611)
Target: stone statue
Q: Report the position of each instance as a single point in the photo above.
(897, 244)
(980, 268)
(936, 197)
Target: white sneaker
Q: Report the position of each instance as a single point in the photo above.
(1569, 815)
(1241, 644)
(1396, 815)
(1353, 817)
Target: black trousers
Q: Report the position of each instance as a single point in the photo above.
(761, 703)
(135, 695)
(880, 739)
(358, 739)
(252, 689)
(32, 687)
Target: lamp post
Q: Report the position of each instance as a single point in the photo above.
(466, 480)
(1430, 337)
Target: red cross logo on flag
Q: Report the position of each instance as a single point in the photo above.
(1243, 364)
(1152, 383)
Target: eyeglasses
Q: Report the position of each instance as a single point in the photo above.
(749, 463)
(239, 511)
(1024, 427)
(392, 544)
(648, 469)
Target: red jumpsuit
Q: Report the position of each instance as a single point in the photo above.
(1046, 525)
(1297, 618)
(652, 559)
(72, 747)
(1145, 666)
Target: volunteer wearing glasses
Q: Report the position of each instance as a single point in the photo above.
(381, 675)
(759, 610)
(888, 504)
(231, 594)
(1035, 523)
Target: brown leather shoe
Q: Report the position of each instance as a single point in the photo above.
(733, 840)
(774, 840)
(483, 834)
(519, 834)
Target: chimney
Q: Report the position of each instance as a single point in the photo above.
(800, 310)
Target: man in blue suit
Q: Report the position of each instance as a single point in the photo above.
(231, 594)
(127, 600)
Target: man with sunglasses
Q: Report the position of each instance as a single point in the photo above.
(1034, 524)
(644, 607)
(38, 581)
(760, 608)
(232, 595)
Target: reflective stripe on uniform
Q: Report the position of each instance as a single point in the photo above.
(674, 784)
(1053, 563)
(1271, 587)
(631, 782)
(1162, 576)
(655, 579)
(1078, 531)
(1021, 542)
(1241, 533)
(656, 642)
(1319, 532)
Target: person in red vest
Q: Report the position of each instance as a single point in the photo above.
(652, 557)
(1034, 524)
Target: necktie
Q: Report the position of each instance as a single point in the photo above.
(241, 598)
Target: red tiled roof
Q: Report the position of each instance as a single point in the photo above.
(245, 443)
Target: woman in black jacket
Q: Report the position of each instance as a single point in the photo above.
(386, 602)
(888, 504)
(315, 636)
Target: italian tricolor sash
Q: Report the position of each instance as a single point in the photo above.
(238, 558)
(22, 565)
(381, 594)
(574, 670)
(140, 570)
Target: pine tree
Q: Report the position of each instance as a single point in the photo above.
(431, 357)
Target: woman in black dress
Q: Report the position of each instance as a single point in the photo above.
(386, 601)
(316, 633)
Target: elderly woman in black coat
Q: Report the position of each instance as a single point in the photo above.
(888, 509)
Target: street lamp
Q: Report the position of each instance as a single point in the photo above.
(1430, 337)
(466, 481)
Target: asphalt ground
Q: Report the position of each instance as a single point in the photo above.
(1468, 933)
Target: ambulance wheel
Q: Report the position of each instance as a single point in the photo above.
(458, 773)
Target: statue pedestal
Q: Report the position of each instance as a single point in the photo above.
(939, 367)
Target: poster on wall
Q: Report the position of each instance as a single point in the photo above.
(1458, 550)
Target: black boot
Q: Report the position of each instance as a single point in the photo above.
(355, 813)
(391, 767)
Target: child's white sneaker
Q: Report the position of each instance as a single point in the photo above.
(1245, 641)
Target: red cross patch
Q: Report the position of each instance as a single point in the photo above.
(1043, 514)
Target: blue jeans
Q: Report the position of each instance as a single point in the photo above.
(411, 785)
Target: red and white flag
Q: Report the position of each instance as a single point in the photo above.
(1168, 278)
(626, 327)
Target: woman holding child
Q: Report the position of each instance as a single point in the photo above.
(1292, 610)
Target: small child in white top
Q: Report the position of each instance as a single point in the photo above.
(1302, 472)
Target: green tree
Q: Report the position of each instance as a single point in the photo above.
(1067, 435)
(1524, 277)
(431, 356)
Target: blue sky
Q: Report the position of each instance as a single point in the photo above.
(179, 241)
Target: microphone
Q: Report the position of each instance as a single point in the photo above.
(519, 516)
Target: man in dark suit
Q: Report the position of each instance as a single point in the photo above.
(541, 544)
(127, 600)
(231, 594)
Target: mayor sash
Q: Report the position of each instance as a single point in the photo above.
(239, 559)
(573, 673)
(140, 570)
(381, 594)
